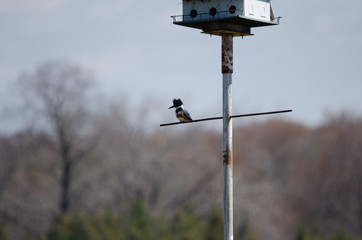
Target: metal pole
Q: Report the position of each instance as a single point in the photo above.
(227, 70)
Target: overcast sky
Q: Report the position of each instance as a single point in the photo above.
(310, 63)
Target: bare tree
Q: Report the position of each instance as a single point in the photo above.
(57, 93)
(326, 176)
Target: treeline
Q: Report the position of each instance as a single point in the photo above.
(80, 168)
(137, 224)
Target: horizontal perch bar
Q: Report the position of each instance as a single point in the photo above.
(234, 116)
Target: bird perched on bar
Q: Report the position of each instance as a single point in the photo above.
(181, 114)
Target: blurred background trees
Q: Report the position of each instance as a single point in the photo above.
(57, 94)
(81, 168)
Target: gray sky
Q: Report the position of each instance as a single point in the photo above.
(310, 63)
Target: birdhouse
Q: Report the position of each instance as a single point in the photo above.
(226, 16)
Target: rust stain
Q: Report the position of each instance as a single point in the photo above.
(227, 54)
(228, 157)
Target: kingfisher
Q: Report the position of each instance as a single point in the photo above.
(181, 114)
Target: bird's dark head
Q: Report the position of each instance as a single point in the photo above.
(176, 103)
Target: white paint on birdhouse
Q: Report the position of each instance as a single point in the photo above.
(258, 9)
(204, 9)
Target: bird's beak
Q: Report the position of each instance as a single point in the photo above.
(170, 107)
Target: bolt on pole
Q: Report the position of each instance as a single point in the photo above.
(227, 70)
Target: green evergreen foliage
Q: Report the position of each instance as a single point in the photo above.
(215, 225)
(306, 234)
(137, 224)
(343, 235)
(4, 235)
(187, 226)
(246, 232)
(161, 229)
(61, 230)
(109, 227)
(79, 226)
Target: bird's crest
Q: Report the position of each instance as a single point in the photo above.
(177, 102)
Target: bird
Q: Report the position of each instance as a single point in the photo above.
(181, 114)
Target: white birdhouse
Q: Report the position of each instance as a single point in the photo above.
(233, 16)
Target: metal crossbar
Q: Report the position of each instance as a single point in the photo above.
(234, 116)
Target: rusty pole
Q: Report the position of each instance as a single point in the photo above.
(227, 70)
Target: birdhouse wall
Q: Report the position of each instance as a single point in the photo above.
(255, 9)
(204, 6)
